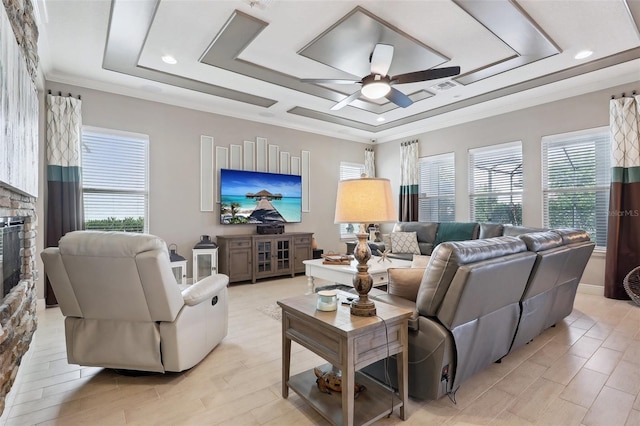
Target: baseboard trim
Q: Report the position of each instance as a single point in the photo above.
(40, 305)
(596, 290)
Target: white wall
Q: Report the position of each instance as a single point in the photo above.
(527, 125)
(174, 156)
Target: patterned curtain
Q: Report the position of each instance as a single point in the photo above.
(64, 186)
(623, 233)
(408, 210)
(369, 163)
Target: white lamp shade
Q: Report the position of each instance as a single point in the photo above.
(365, 200)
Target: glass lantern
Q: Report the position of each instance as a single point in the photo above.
(205, 258)
(178, 264)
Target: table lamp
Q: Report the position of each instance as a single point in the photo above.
(363, 201)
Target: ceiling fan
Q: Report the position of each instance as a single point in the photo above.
(378, 84)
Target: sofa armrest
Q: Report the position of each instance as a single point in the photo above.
(204, 289)
(405, 282)
(403, 303)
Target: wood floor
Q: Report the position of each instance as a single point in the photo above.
(585, 371)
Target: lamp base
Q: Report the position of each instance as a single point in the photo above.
(362, 281)
(363, 309)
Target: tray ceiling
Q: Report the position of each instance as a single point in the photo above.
(246, 59)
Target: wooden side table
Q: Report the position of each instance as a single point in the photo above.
(349, 343)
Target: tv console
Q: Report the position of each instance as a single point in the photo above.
(251, 257)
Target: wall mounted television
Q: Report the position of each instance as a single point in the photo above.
(248, 197)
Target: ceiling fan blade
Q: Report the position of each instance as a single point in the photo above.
(433, 74)
(398, 98)
(381, 59)
(346, 101)
(328, 81)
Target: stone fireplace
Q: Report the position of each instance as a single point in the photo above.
(18, 318)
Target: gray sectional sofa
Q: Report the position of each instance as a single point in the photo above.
(430, 234)
(479, 299)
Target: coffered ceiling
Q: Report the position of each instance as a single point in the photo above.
(246, 58)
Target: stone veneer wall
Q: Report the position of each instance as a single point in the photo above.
(18, 320)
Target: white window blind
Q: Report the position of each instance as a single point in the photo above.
(495, 183)
(436, 187)
(115, 180)
(576, 176)
(350, 171)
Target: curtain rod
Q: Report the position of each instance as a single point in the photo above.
(623, 95)
(69, 95)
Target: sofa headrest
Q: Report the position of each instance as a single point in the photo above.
(491, 230)
(515, 230)
(463, 252)
(425, 231)
(572, 235)
(539, 241)
(111, 244)
(449, 256)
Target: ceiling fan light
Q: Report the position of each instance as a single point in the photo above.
(376, 89)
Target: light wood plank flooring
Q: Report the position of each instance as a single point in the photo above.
(585, 371)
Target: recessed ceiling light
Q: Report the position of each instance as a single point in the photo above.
(583, 54)
(168, 59)
(380, 119)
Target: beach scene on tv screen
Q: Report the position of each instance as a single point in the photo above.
(257, 197)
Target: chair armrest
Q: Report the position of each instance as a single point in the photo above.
(204, 289)
(403, 303)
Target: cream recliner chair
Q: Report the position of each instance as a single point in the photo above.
(123, 307)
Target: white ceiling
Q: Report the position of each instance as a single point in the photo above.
(79, 37)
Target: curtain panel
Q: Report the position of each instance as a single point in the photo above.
(64, 182)
(623, 238)
(408, 198)
(369, 163)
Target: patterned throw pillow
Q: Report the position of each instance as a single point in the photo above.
(404, 242)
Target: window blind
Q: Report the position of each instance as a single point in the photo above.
(495, 183)
(115, 181)
(350, 171)
(576, 177)
(436, 187)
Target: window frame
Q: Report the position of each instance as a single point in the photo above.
(344, 235)
(105, 133)
(602, 178)
(511, 193)
(425, 165)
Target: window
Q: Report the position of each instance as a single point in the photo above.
(437, 188)
(115, 180)
(495, 183)
(350, 171)
(576, 176)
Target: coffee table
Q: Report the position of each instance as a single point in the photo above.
(349, 343)
(343, 274)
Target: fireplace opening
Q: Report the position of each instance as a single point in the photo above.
(10, 258)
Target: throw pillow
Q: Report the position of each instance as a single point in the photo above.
(404, 242)
(454, 231)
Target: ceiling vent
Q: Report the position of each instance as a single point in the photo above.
(445, 85)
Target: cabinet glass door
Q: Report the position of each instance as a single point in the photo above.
(263, 253)
(283, 254)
